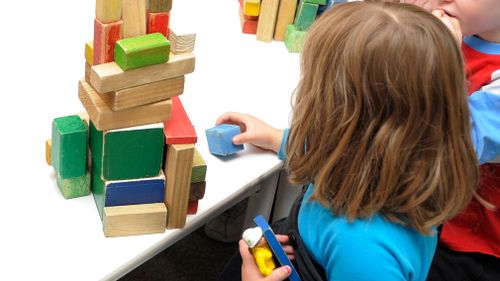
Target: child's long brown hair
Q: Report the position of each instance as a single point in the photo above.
(380, 120)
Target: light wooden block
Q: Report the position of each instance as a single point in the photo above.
(48, 145)
(158, 22)
(178, 175)
(89, 52)
(178, 129)
(134, 18)
(88, 68)
(286, 15)
(134, 219)
(108, 10)
(156, 6)
(105, 37)
(110, 77)
(105, 119)
(144, 94)
(181, 43)
(267, 20)
(251, 7)
(141, 51)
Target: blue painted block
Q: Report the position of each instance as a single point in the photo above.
(131, 192)
(275, 246)
(220, 139)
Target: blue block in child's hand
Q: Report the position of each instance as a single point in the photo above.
(220, 139)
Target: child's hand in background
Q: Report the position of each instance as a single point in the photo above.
(452, 23)
(253, 131)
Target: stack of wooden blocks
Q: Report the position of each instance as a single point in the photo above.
(281, 20)
(140, 140)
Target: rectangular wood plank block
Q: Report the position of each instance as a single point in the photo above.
(286, 16)
(110, 77)
(178, 129)
(108, 10)
(158, 22)
(105, 119)
(144, 94)
(179, 161)
(267, 20)
(134, 219)
(134, 18)
(105, 37)
(141, 51)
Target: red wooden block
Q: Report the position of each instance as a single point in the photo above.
(179, 130)
(248, 26)
(105, 37)
(192, 207)
(158, 22)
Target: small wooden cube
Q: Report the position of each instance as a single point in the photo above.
(199, 168)
(140, 51)
(158, 22)
(105, 37)
(74, 187)
(294, 39)
(220, 139)
(197, 191)
(251, 7)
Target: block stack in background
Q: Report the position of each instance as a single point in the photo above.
(141, 143)
(282, 20)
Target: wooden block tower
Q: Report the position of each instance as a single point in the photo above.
(140, 138)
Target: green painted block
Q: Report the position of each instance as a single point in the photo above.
(294, 39)
(140, 51)
(306, 14)
(74, 187)
(98, 189)
(319, 2)
(157, 6)
(129, 153)
(199, 170)
(69, 146)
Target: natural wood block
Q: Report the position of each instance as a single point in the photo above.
(158, 22)
(141, 51)
(74, 187)
(69, 147)
(248, 26)
(178, 129)
(135, 191)
(105, 37)
(134, 18)
(130, 153)
(87, 72)
(179, 160)
(105, 119)
(144, 94)
(306, 14)
(110, 77)
(156, 6)
(48, 145)
(251, 7)
(108, 10)
(199, 168)
(134, 219)
(294, 39)
(267, 20)
(192, 207)
(197, 191)
(181, 43)
(89, 52)
(286, 15)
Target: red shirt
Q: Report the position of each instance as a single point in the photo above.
(477, 229)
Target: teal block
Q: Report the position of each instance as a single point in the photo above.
(130, 153)
(319, 2)
(74, 187)
(69, 147)
(306, 14)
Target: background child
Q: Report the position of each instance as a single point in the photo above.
(380, 133)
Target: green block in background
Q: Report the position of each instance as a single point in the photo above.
(306, 14)
(294, 39)
(130, 153)
(140, 51)
(319, 2)
(74, 187)
(69, 147)
(199, 170)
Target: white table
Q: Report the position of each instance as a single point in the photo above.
(46, 237)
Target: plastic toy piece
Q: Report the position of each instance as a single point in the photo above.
(275, 246)
(140, 51)
(260, 250)
(105, 37)
(294, 39)
(158, 22)
(178, 129)
(220, 139)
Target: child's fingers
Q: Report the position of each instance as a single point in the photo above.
(289, 250)
(283, 239)
(246, 256)
(242, 138)
(279, 274)
(231, 117)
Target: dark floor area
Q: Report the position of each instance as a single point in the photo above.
(195, 257)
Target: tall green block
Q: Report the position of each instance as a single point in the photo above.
(294, 39)
(129, 153)
(140, 51)
(74, 187)
(319, 2)
(306, 14)
(69, 146)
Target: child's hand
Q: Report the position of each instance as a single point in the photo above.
(285, 243)
(452, 23)
(254, 131)
(250, 271)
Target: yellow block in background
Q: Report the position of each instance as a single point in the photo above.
(48, 147)
(89, 52)
(251, 7)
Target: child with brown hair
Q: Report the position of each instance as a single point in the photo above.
(380, 134)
